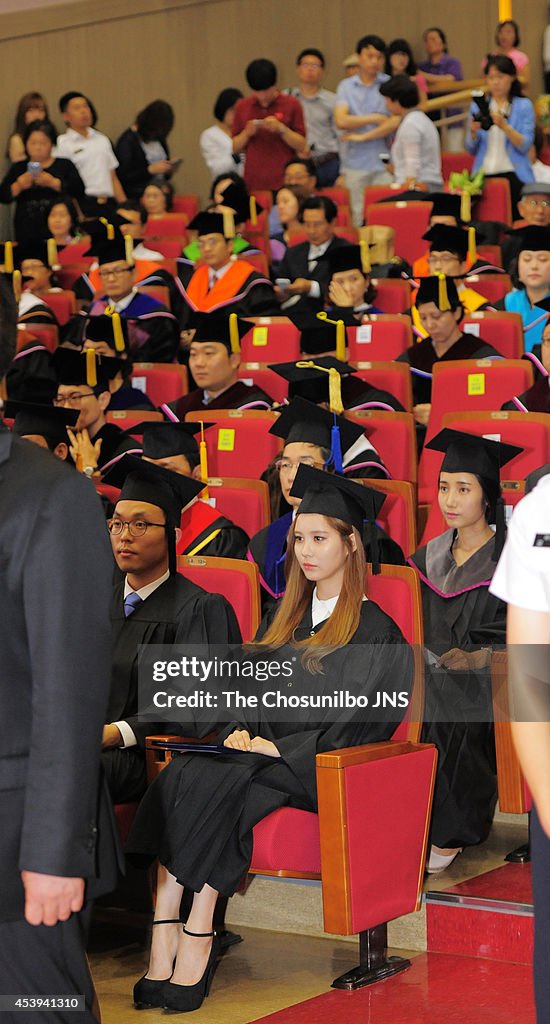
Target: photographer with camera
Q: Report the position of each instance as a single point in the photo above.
(501, 127)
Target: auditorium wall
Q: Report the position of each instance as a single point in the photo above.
(127, 53)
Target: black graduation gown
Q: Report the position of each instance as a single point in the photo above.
(238, 396)
(535, 399)
(460, 612)
(230, 541)
(422, 358)
(31, 376)
(114, 442)
(256, 297)
(178, 612)
(198, 814)
(360, 394)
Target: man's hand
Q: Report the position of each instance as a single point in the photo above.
(51, 898)
(272, 124)
(465, 661)
(300, 286)
(238, 740)
(111, 736)
(82, 450)
(422, 413)
(338, 295)
(160, 167)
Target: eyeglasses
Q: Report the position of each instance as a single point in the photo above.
(445, 257)
(74, 398)
(286, 465)
(544, 203)
(104, 274)
(136, 527)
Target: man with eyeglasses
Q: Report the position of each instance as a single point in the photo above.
(153, 604)
(153, 330)
(534, 209)
(318, 107)
(83, 385)
(448, 255)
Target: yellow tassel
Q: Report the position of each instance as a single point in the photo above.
(117, 333)
(465, 207)
(443, 303)
(203, 455)
(340, 334)
(129, 249)
(472, 252)
(16, 283)
(91, 367)
(8, 257)
(365, 256)
(52, 252)
(253, 210)
(109, 228)
(228, 224)
(234, 339)
(334, 384)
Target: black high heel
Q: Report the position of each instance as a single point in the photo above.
(149, 994)
(183, 998)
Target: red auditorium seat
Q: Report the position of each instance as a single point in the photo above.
(374, 193)
(108, 491)
(475, 384)
(392, 294)
(337, 193)
(63, 304)
(504, 331)
(189, 204)
(258, 260)
(493, 286)
(41, 334)
(125, 418)
(264, 197)
(70, 272)
(245, 502)
(495, 202)
(239, 442)
(382, 338)
(168, 225)
(398, 513)
(266, 379)
(409, 221)
(237, 580)
(490, 254)
(459, 162)
(271, 340)
(393, 377)
(512, 492)
(394, 437)
(163, 382)
(170, 248)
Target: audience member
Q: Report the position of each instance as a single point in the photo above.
(400, 61)
(108, 336)
(440, 70)
(216, 142)
(533, 209)
(289, 202)
(268, 126)
(34, 183)
(350, 290)
(448, 255)
(415, 151)
(299, 171)
(531, 280)
(507, 41)
(304, 273)
(63, 225)
(142, 150)
(359, 105)
(351, 65)
(310, 379)
(31, 107)
(43, 425)
(446, 210)
(157, 198)
(92, 154)
(318, 106)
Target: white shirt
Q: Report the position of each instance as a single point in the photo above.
(416, 151)
(141, 252)
(127, 733)
(496, 157)
(522, 575)
(320, 610)
(122, 304)
(315, 252)
(217, 273)
(93, 157)
(217, 151)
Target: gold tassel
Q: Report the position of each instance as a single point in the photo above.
(16, 283)
(253, 210)
(8, 257)
(465, 207)
(109, 228)
(117, 333)
(129, 249)
(443, 303)
(472, 252)
(234, 339)
(340, 334)
(52, 252)
(365, 256)
(91, 367)
(228, 224)
(203, 455)
(334, 384)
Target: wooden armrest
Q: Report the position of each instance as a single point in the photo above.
(348, 756)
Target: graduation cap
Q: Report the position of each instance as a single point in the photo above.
(206, 223)
(348, 257)
(110, 328)
(482, 456)
(244, 206)
(445, 204)
(46, 420)
(535, 239)
(160, 440)
(44, 250)
(106, 227)
(535, 188)
(438, 289)
(84, 368)
(318, 332)
(444, 238)
(543, 304)
(302, 421)
(310, 378)
(227, 330)
(336, 496)
(107, 251)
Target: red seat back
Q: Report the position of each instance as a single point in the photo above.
(394, 437)
(169, 224)
(382, 338)
(163, 382)
(62, 303)
(398, 513)
(492, 286)
(189, 204)
(171, 248)
(108, 491)
(337, 193)
(271, 340)
(459, 162)
(125, 418)
(237, 580)
(269, 381)
(264, 197)
(392, 377)
(504, 331)
(245, 502)
(392, 294)
(495, 202)
(490, 254)
(44, 334)
(258, 260)
(409, 221)
(374, 193)
(239, 443)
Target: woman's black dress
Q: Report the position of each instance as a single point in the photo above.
(31, 204)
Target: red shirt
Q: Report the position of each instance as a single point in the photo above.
(266, 152)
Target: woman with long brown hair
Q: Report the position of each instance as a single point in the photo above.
(198, 815)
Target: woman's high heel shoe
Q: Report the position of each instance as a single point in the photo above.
(183, 998)
(149, 994)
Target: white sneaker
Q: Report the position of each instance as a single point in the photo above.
(439, 862)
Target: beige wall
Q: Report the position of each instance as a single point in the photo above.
(128, 52)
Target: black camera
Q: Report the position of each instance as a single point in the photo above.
(483, 116)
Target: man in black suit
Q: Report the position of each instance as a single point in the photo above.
(56, 569)
(307, 274)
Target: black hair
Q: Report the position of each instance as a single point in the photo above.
(401, 89)
(64, 200)
(46, 127)
(320, 203)
(375, 41)
(506, 67)
(68, 96)
(30, 101)
(227, 176)
(165, 187)
(8, 325)
(310, 51)
(135, 207)
(400, 46)
(226, 99)
(441, 35)
(515, 26)
(155, 121)
(306, 162)
(261, 74)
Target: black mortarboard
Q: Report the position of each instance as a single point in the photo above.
(205, 223)
(106, 227)
(306, 381)
(439, 289)
(444, 238)
(237, 199)
(87, 367)
(445, 204)
(302, 421)
(160, 440)
(111, 329)
(543, 304)
(106, 251)
(46, 420)
(336, 496)
(32, 249)
(316, 334)
(535, 239)
(228, 330)
(345, 257)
